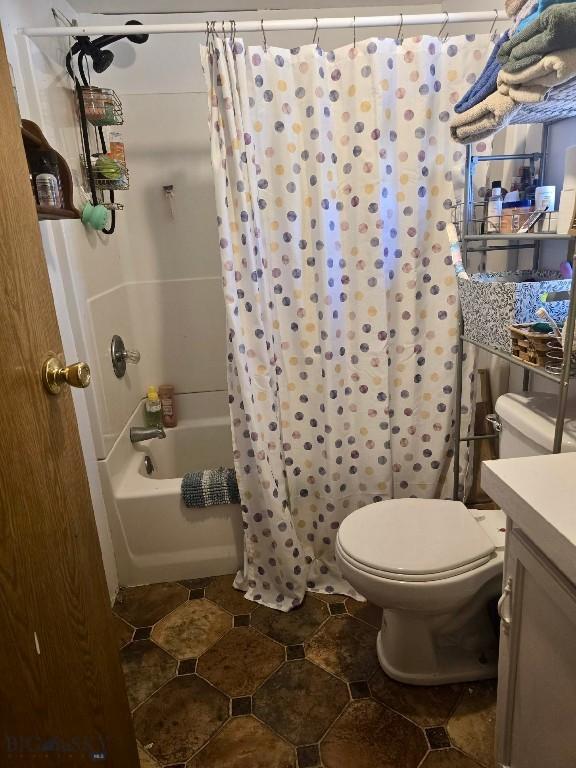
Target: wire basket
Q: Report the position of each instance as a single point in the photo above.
(107, 173)
(555, 359)
(508, 224)
(101, 106)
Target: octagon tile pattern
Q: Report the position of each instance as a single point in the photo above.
(369, 735)
(293, 627)
(244, 742)
(240, 661)
(219, 682)
(191, 629)
(300, 701)
(471, 727)
(146, 668)
(425, 705)
(346, 647)
(180, 718)
(221, 592)
(144, 606)
(124, 632)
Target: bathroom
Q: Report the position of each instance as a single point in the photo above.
(233, 652)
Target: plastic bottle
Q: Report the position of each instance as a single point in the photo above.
(153, 408)
(47, 180)
(169, 417)
(494, 208)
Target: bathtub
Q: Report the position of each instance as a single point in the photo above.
(156, 538)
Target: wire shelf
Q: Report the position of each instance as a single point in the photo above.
(101, 106)
(107, 173)
(505, 227)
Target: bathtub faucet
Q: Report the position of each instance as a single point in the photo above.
(138, 434)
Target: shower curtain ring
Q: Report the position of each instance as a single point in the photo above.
(316, 38)
(207, 32)
(263, 34)
(354, 32)
(444, 25)
(494, 22)
(399, 38)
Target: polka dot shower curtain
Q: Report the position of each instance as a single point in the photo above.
(333, 174)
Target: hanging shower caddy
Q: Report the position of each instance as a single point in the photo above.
(104, 172)
(559, 363)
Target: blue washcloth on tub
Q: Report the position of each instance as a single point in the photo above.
(210, 487)
(540, 8)
(486, 83)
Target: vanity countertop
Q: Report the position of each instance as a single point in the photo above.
(539, 494)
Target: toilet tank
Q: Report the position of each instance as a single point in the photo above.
(528, 424)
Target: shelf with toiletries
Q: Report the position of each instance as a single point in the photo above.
(504, 310)
(50, 176)
(517, 361)
(103, 159)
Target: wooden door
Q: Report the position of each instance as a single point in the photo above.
(62, 695)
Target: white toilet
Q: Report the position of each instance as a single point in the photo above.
(435, 567)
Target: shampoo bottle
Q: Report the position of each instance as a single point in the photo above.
(494, 208)
(169, 417)
(153, 408)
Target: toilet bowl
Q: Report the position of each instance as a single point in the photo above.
(435, 568)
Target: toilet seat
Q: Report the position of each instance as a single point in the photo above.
(415, 540)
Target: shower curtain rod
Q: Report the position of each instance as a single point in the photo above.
(275, 25)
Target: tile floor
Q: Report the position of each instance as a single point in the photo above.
(215, 681)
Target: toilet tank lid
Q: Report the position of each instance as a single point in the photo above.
(534, 416)
(414, 536)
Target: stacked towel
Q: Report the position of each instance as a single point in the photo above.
(526, 10)
(535, 10)
(532, 84)
(486, 82)
(484, 118)
(210, 487)
(553, 30)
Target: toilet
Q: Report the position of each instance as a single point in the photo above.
(435, 566)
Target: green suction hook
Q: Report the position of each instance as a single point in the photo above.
(95, 216)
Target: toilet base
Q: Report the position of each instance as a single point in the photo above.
(412, 650)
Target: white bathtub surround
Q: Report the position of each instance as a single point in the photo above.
(155, 537)
(332, 195)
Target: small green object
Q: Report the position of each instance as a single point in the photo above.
(95, 216)
(542, 328)
(108, 168)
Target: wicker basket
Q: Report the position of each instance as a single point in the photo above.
(530, 346)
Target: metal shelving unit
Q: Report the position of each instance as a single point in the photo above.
(472, 243)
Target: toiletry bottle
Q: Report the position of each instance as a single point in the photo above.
(47, 180)
(494, 208)
(153, 408)
(166, 393)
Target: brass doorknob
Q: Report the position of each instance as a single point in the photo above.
(54, 374)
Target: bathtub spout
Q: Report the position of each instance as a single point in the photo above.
(138, 434)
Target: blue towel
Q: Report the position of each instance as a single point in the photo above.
(210, 487)
(542, 5)
(486, 82)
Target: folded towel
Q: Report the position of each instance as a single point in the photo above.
(513, 6)
(535, 12)
(554, 69)
(529, 93)
(486, 82)
(553, 30)
(210, 487)
(483, 119)
(526, 10)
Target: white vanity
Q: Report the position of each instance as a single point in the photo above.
(536, 715)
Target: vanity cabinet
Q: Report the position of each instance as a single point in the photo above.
(536, 711)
